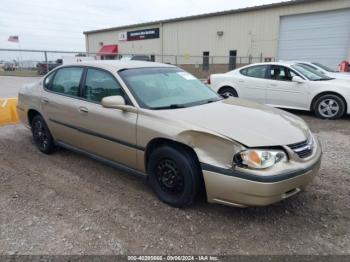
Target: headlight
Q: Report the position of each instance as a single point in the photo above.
(259, 158)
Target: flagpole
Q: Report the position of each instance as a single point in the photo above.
(20, 55)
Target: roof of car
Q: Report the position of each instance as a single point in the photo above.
(296, 62)
(283, 63)
(118, 64)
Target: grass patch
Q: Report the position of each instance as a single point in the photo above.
(19, 73)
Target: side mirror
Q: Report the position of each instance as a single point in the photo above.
(117, 102)
(298, 79)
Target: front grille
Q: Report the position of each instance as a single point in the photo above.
(303, 149)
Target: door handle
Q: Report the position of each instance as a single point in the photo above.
(273, 84)
(83, 109)
(241, 81)
(45, 100)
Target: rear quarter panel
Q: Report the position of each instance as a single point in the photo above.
(221, 80)
(29, 97)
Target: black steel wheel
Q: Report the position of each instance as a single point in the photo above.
(169, 177)
(175, 175)
(41, 135)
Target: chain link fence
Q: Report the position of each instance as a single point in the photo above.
(24, 62)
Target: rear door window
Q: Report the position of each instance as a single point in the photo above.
(255, 71)
(48, 80)
(67, 81)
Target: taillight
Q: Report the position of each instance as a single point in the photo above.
(208, 81)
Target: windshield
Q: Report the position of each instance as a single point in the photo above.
(324, 67)
(166, 88)
(310, 73)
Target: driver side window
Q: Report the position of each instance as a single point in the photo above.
(281, 73)
(100, 84)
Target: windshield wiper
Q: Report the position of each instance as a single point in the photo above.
(172, 106)
(324, 79)
(214, 100)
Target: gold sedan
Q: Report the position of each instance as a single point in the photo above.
(160, 122)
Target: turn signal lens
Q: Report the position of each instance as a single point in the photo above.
(260, 159)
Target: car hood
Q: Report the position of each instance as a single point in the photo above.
(246, 122)
(339, 82)
(345, 76)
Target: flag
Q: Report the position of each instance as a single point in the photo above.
(13, 38)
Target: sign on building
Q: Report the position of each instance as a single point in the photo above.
(143, 34)
(123, 36)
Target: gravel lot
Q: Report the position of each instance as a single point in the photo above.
(9, 85)
(68, 204)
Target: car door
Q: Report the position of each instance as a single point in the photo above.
(282, 91)
(251, 82)
(106, 132)
(58, 103)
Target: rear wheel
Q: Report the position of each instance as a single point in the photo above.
(174, 175)
(228, 92)
(42, 136)
(329, 106)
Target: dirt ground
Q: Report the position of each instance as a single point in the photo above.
(68, 204)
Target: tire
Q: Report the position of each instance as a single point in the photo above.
(174, 175)
(228, 92)
(42, 136)
(329, 106)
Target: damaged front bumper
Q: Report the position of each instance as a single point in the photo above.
(239, 188)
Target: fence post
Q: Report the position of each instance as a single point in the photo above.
(176, 60)
(46, 62)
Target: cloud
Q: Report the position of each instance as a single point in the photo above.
(59, 24)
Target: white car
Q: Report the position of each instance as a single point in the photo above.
(286, 85)
(136, 58)
(326, 70)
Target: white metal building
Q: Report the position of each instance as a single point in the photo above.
(315, 30)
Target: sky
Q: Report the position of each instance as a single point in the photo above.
(59, 24)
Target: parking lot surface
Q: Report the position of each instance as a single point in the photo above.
(69, 204)
(9, 85)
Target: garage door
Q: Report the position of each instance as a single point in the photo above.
(318, 37)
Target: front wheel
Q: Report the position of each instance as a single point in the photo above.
(42, 136)
(174, 175)
(329, 106)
